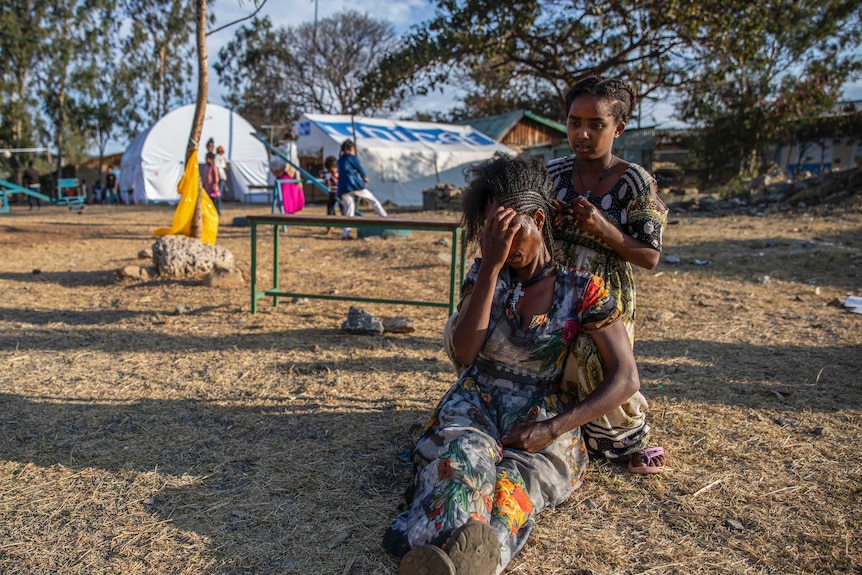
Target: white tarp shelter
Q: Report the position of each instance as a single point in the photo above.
(154, 161)
(401, 158)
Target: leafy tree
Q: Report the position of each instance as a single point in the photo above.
(553, 43)
(280, 73)
(251, 65)
(22, 34)
(155, 61)
(74, 33)
(724, 63)
(770, 80)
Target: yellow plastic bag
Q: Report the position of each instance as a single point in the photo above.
(188, 188)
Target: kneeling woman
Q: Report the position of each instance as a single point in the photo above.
(504, 443)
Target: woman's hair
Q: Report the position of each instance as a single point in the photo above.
(330, 162)
(518, 182)
(210, 156)
(620, 95)
(347, 145)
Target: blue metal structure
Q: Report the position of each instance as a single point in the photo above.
(69, 194)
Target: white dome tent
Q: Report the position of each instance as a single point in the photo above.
(402, 158)
(154, 161)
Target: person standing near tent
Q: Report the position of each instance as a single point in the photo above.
(330, 180)
(221, 165)
(211, 181)
(109, 193)
(351, 184)
(31, 177)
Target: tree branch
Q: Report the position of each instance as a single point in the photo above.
(243, 19)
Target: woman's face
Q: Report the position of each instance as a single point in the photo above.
(528, 242)
(591, 128)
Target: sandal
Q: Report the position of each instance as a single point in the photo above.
(474, 549)
(426, 560)
(648, 455)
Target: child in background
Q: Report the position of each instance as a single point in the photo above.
(211, 181)
(292, 194)
(351, 184)
(221, 165)
(330, 178)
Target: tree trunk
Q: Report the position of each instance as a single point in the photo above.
(61, 116)
(196, 230)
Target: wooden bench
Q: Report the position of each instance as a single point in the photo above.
(456, 267)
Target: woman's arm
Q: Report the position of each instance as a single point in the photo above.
(473, 319)
(620, 383)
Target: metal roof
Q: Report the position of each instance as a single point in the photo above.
(498, 126)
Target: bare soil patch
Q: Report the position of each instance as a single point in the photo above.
(137, 440)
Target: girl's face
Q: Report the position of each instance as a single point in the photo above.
(591, 128)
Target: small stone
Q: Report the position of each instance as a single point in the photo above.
(590, 504)
(133, 272)
(398, 324)
(36, 271)
(337, 539)
(665, 316)
(239, 513)
(442, 242)
(145, 254)
(224, 277)
(764, 280)
(734, 524)
(299, 300)
(182, 309)
(672, 260)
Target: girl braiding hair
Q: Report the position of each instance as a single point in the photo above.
(519, 182)
(619, 93)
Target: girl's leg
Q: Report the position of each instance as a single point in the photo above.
(348, 205)
(375, 203)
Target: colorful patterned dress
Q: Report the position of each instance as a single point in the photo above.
(634, 209)
(462, 471)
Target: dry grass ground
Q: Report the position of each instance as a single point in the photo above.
(134, 440)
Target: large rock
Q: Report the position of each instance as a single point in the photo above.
(360, 322)
(182, 256)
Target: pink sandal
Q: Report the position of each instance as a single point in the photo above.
(647, 454)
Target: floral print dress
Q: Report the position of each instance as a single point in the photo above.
(632, 206)
(462, 470)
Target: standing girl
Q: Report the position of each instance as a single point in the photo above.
(609, 217)
(211, 181)
(351, 184)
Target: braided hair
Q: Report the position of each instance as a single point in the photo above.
(518, 182)
(619, 93)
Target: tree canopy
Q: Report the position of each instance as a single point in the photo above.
(741, 71)
(282, 72)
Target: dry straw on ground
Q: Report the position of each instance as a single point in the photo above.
(136, 440)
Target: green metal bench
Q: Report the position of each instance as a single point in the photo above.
(454, 228)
